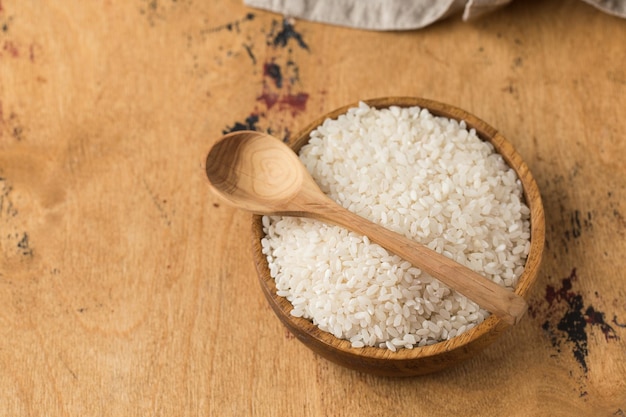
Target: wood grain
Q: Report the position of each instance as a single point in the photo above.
(118, 268)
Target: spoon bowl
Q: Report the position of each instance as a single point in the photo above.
(419, 360)
(254, 172)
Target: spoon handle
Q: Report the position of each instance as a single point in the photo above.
(504, 303)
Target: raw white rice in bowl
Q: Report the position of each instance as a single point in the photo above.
(429, 178)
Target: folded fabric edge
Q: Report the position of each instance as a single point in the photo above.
(383, 15)
(477, 8)
(613, 7)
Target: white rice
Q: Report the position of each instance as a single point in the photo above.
(428, 178)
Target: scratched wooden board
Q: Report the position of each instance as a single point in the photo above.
(127, 289)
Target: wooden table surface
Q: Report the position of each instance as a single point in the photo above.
(127, 289)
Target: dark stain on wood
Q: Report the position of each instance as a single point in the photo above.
(568, 319)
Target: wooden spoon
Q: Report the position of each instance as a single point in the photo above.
(259, 173)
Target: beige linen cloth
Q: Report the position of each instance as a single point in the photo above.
(397, 14)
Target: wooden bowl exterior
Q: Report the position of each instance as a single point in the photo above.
(419, 360)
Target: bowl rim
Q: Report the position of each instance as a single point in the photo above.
(492, 326)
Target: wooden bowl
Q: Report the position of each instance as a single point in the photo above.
(419, 360)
